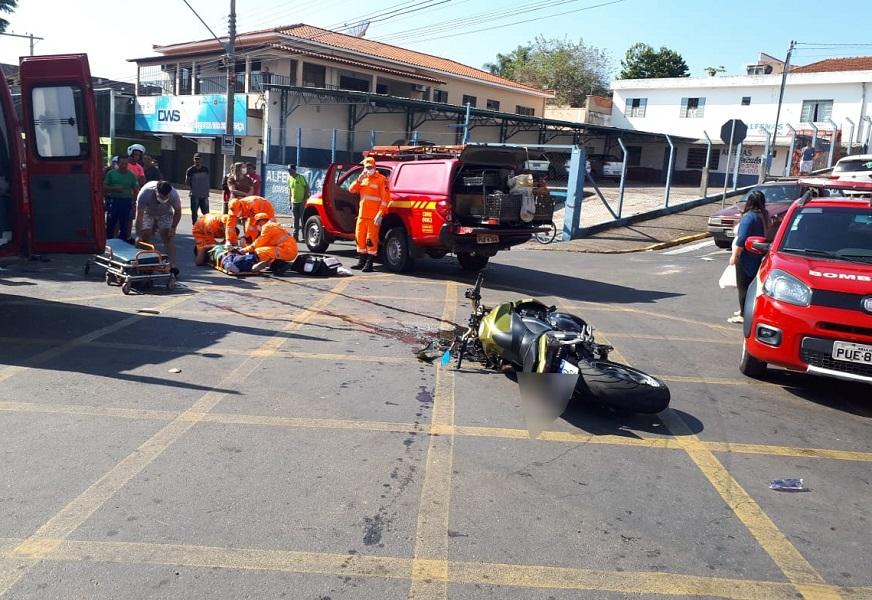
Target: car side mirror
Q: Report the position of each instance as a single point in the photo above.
(757, 244)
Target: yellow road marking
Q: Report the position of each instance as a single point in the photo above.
(565, 437)
(593, 306)
(779, 548)
(712, 380)
(51, 353)
(436, 571)
(670, 338)
(431, 532)
(62, 524)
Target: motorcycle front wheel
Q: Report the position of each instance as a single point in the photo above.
(621, 387)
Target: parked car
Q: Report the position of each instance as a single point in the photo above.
(779, 197)
(605, 165)
(854, 168)
(443, 199)
(810, 307)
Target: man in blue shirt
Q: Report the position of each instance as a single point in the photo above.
(806, 163)
(754, 222)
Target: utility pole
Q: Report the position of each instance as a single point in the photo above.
(231, 81)
(778, 112)
(29, 36)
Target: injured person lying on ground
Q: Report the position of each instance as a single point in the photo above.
(273, 242)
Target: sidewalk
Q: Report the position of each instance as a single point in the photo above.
(653, 234)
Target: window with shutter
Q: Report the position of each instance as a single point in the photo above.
(683, 112)
(816, 111)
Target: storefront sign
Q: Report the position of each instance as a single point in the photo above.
(193, 115)
(275, 185)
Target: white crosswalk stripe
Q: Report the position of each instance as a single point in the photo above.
(691, 247)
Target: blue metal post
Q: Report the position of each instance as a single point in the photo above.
(789, 162)
(669, 172)
(466, 125)
(299, 146)
(764, 166)
(415, 138)
(574, 193)
(333, 147)
(736, 167)
(623, 177)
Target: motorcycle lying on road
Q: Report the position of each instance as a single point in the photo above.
(535, 338)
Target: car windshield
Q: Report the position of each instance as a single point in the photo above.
(776, 193)
(852, 166)
(839, 233)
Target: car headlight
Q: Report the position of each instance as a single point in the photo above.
(714, 220)
(786, 288)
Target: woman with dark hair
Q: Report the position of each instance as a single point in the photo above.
(754, 222)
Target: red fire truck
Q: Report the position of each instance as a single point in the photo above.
(444, 199)
(50, 165)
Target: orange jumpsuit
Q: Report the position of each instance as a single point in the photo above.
(374, 198)
(208, 229)
(246, 208)
(273, 243)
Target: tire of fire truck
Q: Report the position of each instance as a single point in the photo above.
(396, 250)
(472, 262)
(316, 238)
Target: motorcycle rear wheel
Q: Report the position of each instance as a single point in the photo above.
(621, 387)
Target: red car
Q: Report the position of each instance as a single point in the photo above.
(443, 199)
(779, 197)
(810, 307)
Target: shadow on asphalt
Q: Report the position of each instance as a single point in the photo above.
(596, 419)
(844, 396)
(36, 319)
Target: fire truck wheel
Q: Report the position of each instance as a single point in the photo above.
(471, 262)
(396, 250)
(316, 240)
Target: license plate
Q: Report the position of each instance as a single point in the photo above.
(487, 238)
(856, 353)
(568, 368)
(730, 233)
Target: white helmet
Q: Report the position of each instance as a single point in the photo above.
(131, 148)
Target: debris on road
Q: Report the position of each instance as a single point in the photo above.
(149, 311)
(788, 485)
(175, 370)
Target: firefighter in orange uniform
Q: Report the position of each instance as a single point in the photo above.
(207, 231)
(273, 242)
(374, 198)
(246, 209)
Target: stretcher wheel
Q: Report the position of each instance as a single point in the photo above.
(171, 283)
(109, 279)
(125, 288)
(87, 267)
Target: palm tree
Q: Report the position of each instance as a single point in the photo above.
(6, 6)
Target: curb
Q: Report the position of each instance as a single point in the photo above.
(658, 246)
(676, 242)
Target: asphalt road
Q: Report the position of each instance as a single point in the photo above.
(303, 452)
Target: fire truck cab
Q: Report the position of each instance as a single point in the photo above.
(464, 200)
(50, 164)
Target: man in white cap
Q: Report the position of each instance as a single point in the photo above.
(158, 206)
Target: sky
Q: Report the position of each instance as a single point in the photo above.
(705, 32)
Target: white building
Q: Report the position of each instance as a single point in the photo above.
(830, 95)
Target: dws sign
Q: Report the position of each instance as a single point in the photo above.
(199, 115)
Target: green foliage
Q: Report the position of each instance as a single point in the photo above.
(6, 6)
(643, 62)
(572, 70)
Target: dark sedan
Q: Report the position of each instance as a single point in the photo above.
(779, 196)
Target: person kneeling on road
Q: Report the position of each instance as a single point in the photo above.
(273, 242)
(246, 209)
(158, 206)
(207, 231)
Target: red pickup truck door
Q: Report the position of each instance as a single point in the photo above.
(64, 167)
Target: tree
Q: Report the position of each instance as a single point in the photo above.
(643, 62)
(712, 71)
(571, 69)
(507, 64)
(6, 6)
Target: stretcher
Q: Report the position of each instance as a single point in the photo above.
(133, 267)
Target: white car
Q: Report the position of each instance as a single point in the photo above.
(854, 168)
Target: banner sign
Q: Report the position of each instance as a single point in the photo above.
(275, 185)
(194, 115)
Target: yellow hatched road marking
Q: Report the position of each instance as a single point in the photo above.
(565, 437)
(789, 560)
(670, 338)
(435, 571)
(62, 524)
(431, 532)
